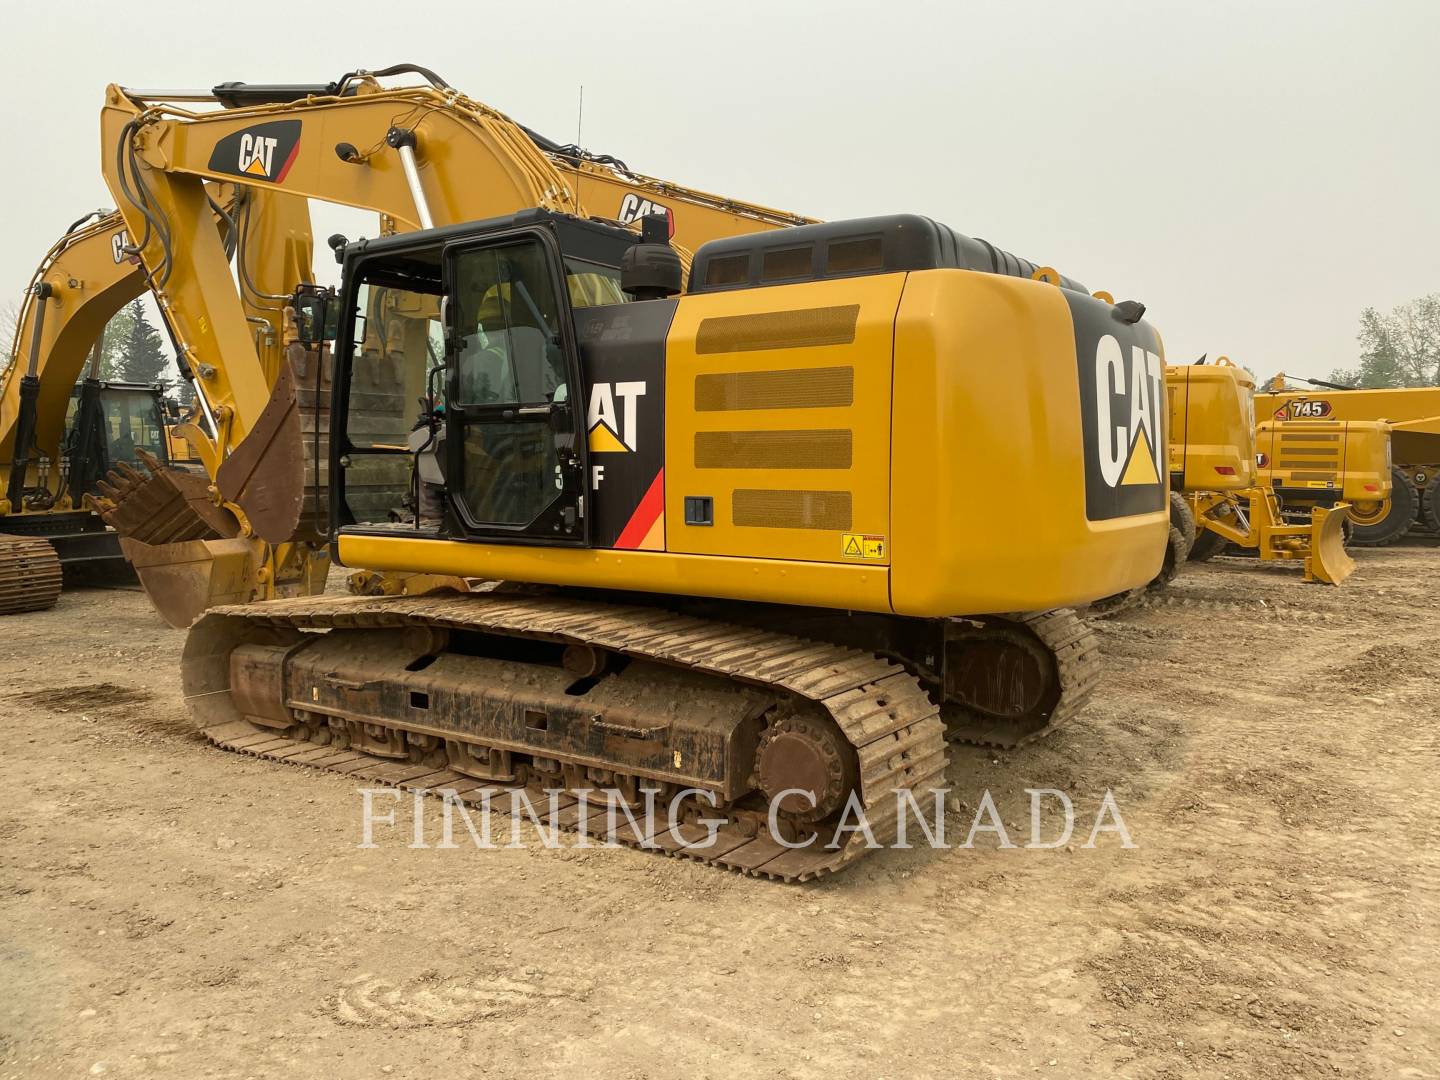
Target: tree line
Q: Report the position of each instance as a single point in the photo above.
(1400, 347)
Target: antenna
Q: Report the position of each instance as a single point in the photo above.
(580, 117)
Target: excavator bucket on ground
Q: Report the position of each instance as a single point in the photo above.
(1329, 561)
(186, 578)
(188, 548)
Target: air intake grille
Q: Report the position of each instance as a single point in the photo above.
(772, 449)
(786, 388)
(791, 509)
(778, 329)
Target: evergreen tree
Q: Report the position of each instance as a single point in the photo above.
(143, 358)
(117, 339)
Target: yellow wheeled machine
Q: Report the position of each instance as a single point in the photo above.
(1242, 493)
(737, 528)
(1413, 415)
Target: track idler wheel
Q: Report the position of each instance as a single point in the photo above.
(1001, 683)
(30, 576)
(1392, 526)
(806, 766)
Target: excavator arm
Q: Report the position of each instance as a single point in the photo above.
(419, 157)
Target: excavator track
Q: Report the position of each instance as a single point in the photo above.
(1066, 662)
(893, 737)
(30, 575)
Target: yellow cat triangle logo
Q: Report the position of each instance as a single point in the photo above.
(256, 168)
(1140, 470)
(605, 441)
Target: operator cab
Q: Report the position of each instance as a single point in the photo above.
(458, 401)
(109, 424)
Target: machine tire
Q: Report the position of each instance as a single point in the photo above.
(1430, 504)
(1183, 519)
(1176, 552)
(1207, 545)
(1395, 524)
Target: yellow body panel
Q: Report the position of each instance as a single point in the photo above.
(779, 581)
(988, 470)
(966, 472)
(725, 335)
(1351, 458)
(1412, 412)
(1212, 427)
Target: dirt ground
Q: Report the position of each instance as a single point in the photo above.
(170, 909)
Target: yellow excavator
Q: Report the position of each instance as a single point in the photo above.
(189, 550)
(735, 528)
(1282, 490)
(1413, 415)
(725, 573)
(60, 434)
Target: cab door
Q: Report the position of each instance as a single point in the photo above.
(515, 462)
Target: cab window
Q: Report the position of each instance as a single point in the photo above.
(508, 327)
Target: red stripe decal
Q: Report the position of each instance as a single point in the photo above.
(294, 152)
(646, 514)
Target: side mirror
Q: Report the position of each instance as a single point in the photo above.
(317, 314)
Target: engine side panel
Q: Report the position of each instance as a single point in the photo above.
(994, 450)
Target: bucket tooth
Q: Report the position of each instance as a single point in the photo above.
(161, 505)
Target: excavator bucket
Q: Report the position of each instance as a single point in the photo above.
(1329, 561)
(160, 505)
(186, 549)
(265, 474)
(184, 579)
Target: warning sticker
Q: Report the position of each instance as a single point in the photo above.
(862, 546)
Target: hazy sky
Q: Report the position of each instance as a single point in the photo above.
(1256, 173)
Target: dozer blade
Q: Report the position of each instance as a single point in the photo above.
(160, 505)
(1329, 561)
(185, 579)
(265, 474)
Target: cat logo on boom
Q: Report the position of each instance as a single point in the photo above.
(263, 152)
(633, 207)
